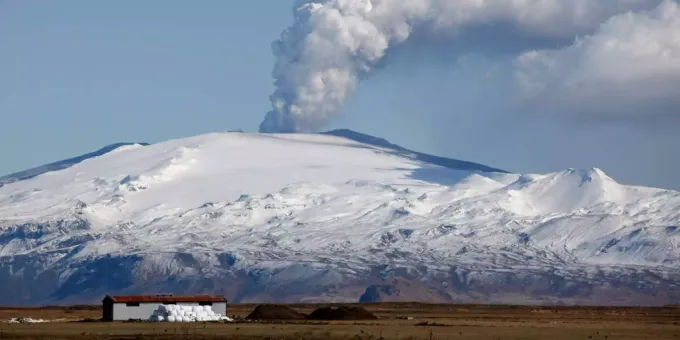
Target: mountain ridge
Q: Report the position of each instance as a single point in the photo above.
(442, 161)
(345, 133)
(59, 165)
(322, 217)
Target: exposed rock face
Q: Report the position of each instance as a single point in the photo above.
(379, 293)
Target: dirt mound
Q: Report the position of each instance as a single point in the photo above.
(275, 312)
(341, 313)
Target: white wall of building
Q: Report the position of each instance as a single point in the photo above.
(122, 312)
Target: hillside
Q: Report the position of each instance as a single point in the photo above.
(37, 171)
(330, 217)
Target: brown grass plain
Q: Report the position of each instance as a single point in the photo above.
(396, 321)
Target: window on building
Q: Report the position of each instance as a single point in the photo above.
(205, 303)
(132, 304)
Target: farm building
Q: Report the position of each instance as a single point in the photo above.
(121, 308)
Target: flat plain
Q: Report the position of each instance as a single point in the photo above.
(396, 321)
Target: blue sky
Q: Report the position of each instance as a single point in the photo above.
(77, 75)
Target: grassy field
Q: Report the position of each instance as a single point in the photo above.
(396, 321)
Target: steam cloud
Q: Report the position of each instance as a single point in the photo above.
(629, 69)
(334, 43)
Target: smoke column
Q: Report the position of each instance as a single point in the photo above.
(334, 43)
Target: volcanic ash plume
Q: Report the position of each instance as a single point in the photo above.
(334, 43)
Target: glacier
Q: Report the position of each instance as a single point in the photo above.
(332, 217)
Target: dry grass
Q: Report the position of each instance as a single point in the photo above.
(429, 322)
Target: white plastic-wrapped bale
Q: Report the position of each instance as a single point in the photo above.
(182, 313)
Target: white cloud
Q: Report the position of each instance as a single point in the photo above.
(628, 69)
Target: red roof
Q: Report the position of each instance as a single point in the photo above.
(167, 298)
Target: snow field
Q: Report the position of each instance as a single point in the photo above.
(275, 200)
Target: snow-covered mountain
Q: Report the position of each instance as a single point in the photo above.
(30, 173)
(338, 216)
